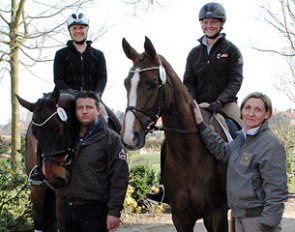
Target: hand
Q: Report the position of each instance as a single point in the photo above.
(112, 222)
(214, 107)
(197, 112)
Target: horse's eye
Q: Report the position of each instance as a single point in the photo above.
(151, 85)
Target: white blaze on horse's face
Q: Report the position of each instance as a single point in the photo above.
(130, 117)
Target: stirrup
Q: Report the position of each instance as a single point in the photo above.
(34, 182)
(156, 202)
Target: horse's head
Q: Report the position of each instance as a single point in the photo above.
(53, 125)
(147, 92)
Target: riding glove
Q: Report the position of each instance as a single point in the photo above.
(214, 106)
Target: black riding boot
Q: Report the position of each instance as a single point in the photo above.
(36, 177)
(159, 196)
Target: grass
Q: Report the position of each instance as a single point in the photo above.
(152, 159)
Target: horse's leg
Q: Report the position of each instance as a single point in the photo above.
(43, 201)
(183, 218)
(37, 198)
(49, 211)
(59, 208)
(216, 220)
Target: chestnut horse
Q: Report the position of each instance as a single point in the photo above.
(52, 134)
(194, 180)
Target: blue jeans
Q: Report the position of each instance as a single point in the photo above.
(84, 218)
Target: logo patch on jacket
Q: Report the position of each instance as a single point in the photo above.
(219, 55)
(122, 155)
(246, 159)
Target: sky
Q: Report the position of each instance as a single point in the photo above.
(174, 29)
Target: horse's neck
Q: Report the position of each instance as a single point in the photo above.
(180, 114)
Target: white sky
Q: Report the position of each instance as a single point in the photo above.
(174, 30)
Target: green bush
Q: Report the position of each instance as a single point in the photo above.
(4, 145)
(15, 206)
(287, 136)
(141, 179)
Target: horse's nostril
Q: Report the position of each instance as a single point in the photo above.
(136, 139)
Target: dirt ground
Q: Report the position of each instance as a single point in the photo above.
(163, 223)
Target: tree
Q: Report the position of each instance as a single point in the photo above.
(24, 35)
(282, 18)
(140, 5)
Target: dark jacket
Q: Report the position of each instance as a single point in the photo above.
(80, 71)
(217, 76)
(99, 172)
(256, 174)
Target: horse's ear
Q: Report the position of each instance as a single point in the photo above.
(28, 105)
(130, 52)
(149, 48)
(55, 95)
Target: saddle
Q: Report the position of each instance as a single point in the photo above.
(229, 125)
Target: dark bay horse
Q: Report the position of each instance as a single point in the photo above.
(52, 134)
(194, 180)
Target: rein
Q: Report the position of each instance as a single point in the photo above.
(163, 128)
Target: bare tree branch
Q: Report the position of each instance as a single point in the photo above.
(283, 21)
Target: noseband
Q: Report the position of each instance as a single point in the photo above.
(67, 160)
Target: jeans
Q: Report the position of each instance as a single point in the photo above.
(84, 218)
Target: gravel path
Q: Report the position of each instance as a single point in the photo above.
(163, 222)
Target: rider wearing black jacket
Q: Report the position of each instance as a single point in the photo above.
(213, 74)
(76, 67)
(80, 71)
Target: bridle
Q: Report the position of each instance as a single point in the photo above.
(61, 113)
(65, 163)
(150, 127)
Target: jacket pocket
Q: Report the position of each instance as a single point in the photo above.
(257, 188)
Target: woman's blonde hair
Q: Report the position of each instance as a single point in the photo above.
(266, 100)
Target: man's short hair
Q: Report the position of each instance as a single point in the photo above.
(88, 94)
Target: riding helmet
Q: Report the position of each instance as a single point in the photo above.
(212, 10)
(77, 19)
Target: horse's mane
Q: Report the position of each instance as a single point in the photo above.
(178, 89)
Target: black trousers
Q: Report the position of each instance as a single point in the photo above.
(84, 218)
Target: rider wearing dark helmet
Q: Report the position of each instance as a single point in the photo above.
(214, 69)
(213, 74)
(78, 66)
